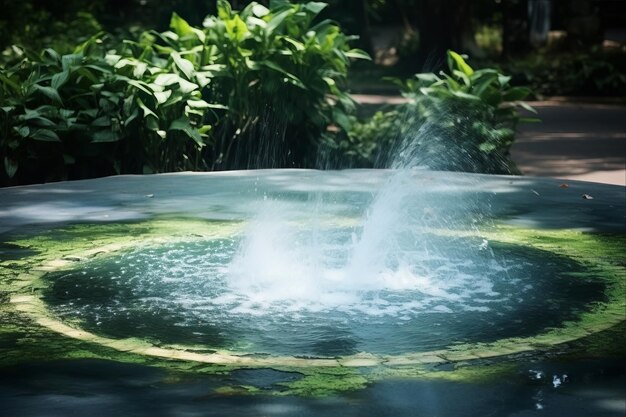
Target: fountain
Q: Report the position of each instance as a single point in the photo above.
(343, 278)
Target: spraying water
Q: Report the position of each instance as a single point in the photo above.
(286, 258)
(331, 263)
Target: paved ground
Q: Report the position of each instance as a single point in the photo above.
(574, 140)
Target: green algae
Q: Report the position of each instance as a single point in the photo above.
(23, 337)
(321, 382)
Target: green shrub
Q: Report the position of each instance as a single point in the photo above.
(256, 88)
(463, 120)
(93, 113)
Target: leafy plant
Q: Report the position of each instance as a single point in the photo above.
(463, 120)
(93, 113)
(256, 88)
(282, 80)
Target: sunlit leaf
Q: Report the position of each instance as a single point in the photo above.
(184, 126)
(236, 28)
(358, 54)
(180, 25)
(460, 63)
(315, 7)
(259, 10)
(224, 11)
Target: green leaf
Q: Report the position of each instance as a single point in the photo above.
(45, 135)
(259, 10)
(487, 147)
(103, 121)
(51, 55)
(279, 4)
(274, 66)
(484, 82)
(12, 84)
(467, 96)
(49, 92)
(68, 61)
(150, 117)
(140, 85)
(184, 126)
(224, 11)
(162, 97)
(23, 131)
(342, 119)
(35, 119)
(358, 54)
(278, 19)
(503, 79)
(315, 7)
(461, 75)
(166, 80)
(10, 166)
(131, 118)
(180, 25)
(105, 136)
(184, 65)
(236, 28)
(460, 63)
(298, 45)
(140, 69)
(428, 77)
(171, 80)
(516, 94)
(58, 80)
(527, 107)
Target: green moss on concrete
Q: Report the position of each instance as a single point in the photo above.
(320, 382)
(29, 332)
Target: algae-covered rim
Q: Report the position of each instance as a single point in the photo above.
(596, 252)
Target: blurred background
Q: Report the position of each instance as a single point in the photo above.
(105, 87)
(558, 47)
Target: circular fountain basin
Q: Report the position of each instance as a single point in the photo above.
(183, 293)
(307, 264)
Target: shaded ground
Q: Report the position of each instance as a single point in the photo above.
(101, 388)
(577, 141)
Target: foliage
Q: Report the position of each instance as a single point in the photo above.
(463, 120)
(281, 78)
(89, 113)
(36, 24)
(255, 88)
(596, 73)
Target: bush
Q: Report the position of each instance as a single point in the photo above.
(256, 88)
(463, 120)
